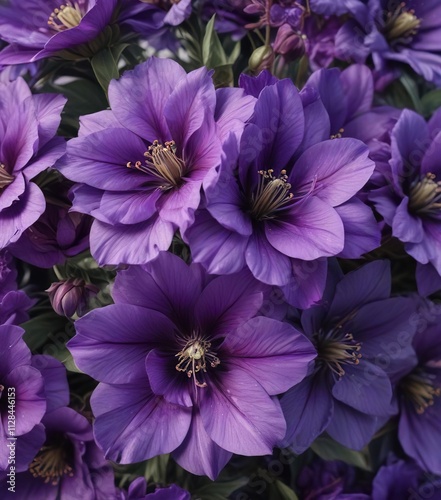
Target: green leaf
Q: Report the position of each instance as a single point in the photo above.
(45, 328)
(412, 89)
(213, 53)
(219, 490)
(105, 68)
(281, 491)
(156, 469)
(328, 449)
(431, 102)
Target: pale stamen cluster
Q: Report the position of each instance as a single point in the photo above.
(193, 358)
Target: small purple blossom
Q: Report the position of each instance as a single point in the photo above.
(184, 360)
(71, 296)
(28, 124)
(349, 394)
(138, 491)
(142, 164)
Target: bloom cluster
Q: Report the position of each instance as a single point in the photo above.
(220, 249)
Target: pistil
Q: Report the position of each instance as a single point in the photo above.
(419, 388)
(425, 196)
(66, 16)
(193, 358)
(401, 24)
(5, 177)
(272, 194)
(51, 465)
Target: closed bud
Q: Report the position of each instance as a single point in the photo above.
(71, 296)
(262, 58)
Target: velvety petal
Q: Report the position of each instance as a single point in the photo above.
(99, 160)
(253, 85)
(56, 388)
(168, 286)
(117, 336)
(13, 191)
(132, 424)
(45, 158)
(309, 230)
(273, 353)
(220, 250)
(430, 163)
(28, 446)
(15, 352)
(362, 232)
(406, 226)
(227, 302)
(109, 244)
(21, 215)
(140, 108)
(369, 283)
(358, 87)
(229, 415)
(125, 208)
(178, 206)
(96, 122)
(48, 108)
(350, 427)
(428, 279)
(364, 387)
(308, 409)
(336, 169)
(187, 104)
(265, 262)
(198, 453)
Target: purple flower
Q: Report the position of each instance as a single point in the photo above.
(363, 338)
(419, 394)
(56, 235)
(400, 479)
(68, 464)
(28, 124)
(71, 296)
(37, 29)
(408, 188)
(274, 206)
(138, 487)
(142, 164)
(394, 33)
(14, 303)
(184, 360)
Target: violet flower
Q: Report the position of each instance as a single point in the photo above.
(14, 303)
(184, 360)
(138, 491)
(142, 164)
(349, 394)
(274, 206)
(28, 124)
(394, 33)
(408, 190)
(419, 393)
(71, 296)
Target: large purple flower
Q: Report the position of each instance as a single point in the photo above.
(395, 33)
(142, 164)
(363, 338)
(408, 191)
(28, 124)
(184, 360)
(14, 303)
(275, 204)
(37, 29)
(420, 394)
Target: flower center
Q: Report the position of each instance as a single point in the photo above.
(162, 162)
(419, 387)
(66, 16)
(401, 24)
(336, 347)
(272, 194)
(193, 359)
(51, 464)
(5, 177)
(425, 196)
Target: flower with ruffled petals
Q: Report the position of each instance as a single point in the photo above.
(363, 339)
(184, 360)
(142, 164)
(28, 124)
(274, 206)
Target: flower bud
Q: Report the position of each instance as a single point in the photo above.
(262, 58)
(71, 296)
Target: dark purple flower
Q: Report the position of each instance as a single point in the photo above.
(71, 296)
(395, 33)
(408, 188)
(14, 303)
(419, 394)
(142, 164)
(37, 29)
(138, 491)
(184, 361)
(28, 124)
(274, 206)
(56, 235)
(68, 464)
(400, 479)
(363, 338)
(323, 480)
